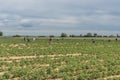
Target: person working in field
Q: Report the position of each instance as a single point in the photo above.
(50, 40)
(116, 39)
(26, 39)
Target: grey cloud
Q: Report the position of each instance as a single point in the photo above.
(59, 14)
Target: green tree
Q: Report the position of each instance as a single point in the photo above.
(1, 33)
(88, 35)
(95, 35)
(51, 36)
(81, 35)
(63, 35)
(72, 35)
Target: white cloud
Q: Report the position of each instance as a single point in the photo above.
(66, 15)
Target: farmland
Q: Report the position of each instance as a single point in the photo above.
(68, 59)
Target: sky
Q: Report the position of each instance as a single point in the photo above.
(52, 17)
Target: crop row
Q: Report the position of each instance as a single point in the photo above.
(95, 60)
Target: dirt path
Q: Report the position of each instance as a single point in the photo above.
(109, 77)
(42, 56)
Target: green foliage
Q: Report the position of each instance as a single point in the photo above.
(69, 59)
(95, 35)
(1, 33)
(63, 35)
(17, 36)
(88, 35)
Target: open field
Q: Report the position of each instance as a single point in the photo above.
(68, 59)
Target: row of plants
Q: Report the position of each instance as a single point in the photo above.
(96, 60)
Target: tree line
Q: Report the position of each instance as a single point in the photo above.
(88, 35)
(72, 35)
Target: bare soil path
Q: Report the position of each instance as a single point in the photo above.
(110, 77)
(42, 56)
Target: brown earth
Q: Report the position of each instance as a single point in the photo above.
(42, 56)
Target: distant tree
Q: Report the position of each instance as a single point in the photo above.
(41, 36)
(117, 35)
(72, 35)
(88, 35)
(99, 36)
(81, 35)
(16, 36)
(51, 36)
(1, 33)
(95, 35)
(105, 36)
(63, 35)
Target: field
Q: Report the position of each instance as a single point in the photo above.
(68, 59)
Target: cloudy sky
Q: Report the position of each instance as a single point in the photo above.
(52, 17)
